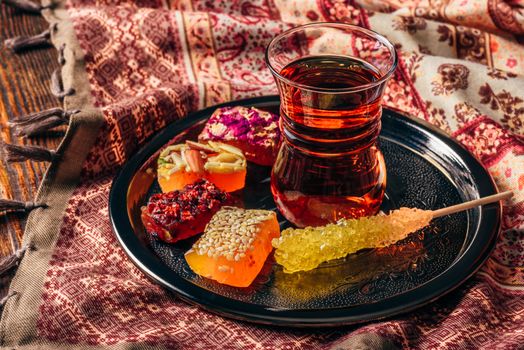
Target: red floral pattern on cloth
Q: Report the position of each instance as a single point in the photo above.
(148, 67)
(151, 62)
(488, 140)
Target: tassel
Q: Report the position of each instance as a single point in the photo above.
(61, 58)
(12, 260)
(4, 300)
(20, 43)
(57, 86)
(26, 5)
(38, 116)
(40, 127)
(37, 123)
(16, 153)
(12, 205)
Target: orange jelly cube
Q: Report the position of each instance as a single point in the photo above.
(234, 246)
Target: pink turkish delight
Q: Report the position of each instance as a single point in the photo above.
(252, 130)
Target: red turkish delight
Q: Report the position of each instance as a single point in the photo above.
(178, 215)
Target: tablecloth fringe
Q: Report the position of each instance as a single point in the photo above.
(39, 127)
(33, 124)
(27, 6)
(61, 59)
(22, 43)
(15, 153)
(4, 300)
(12, 260)
(38, 123)
(57, 85)
(13, 205)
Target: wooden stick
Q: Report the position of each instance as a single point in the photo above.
(472, 204)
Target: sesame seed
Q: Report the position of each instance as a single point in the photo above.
(231, 232)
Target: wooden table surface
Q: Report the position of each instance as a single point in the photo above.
(24, 88)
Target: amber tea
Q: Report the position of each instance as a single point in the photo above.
(329, 166)
(346, 114)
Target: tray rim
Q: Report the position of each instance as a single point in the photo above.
(456, 274)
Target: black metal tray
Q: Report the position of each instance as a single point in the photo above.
(426, 169)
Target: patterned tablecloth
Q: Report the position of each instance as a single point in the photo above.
(132, 67)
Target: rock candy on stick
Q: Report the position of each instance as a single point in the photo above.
(305, 249)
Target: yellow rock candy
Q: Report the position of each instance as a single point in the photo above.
(305, 249)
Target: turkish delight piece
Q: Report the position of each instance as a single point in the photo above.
(234, 246)
(219, 163)
(252, 130)
(178, 215)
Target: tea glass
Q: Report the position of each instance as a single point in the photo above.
(331, 78)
